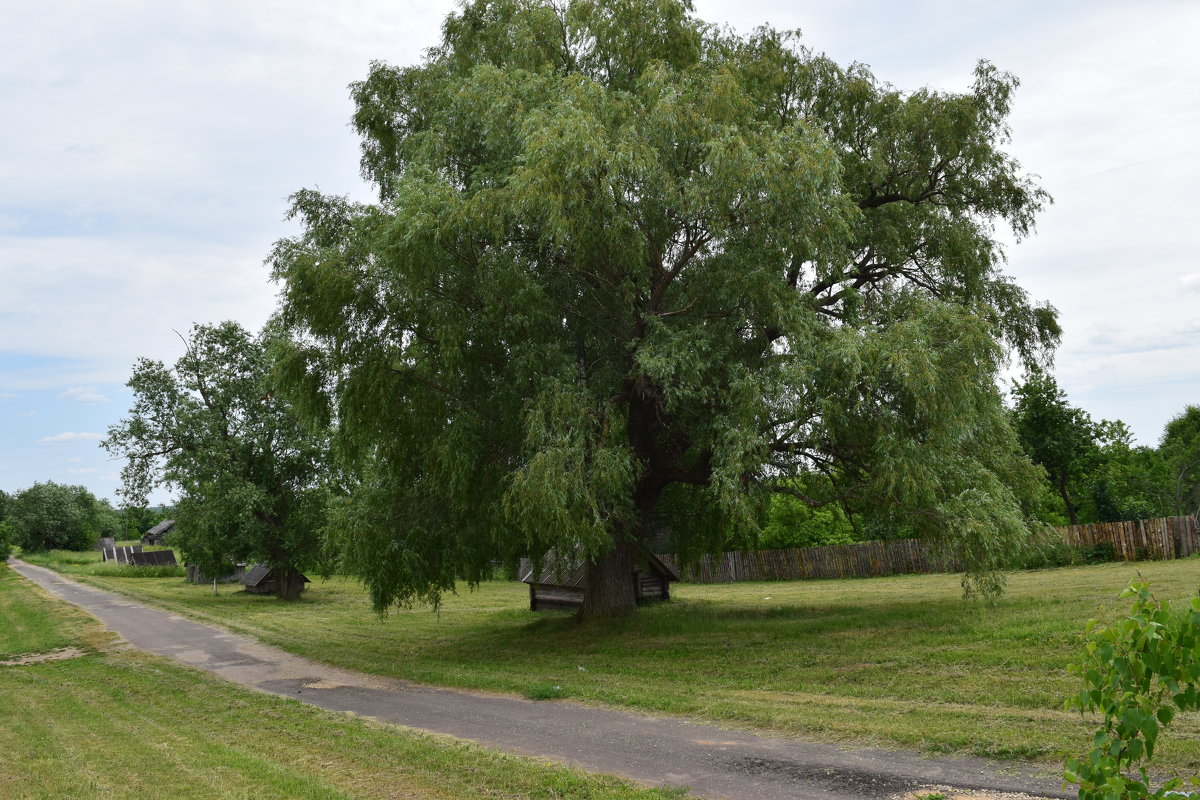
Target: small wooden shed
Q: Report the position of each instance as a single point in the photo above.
(561, 582)
(258, 580)
(159, 532)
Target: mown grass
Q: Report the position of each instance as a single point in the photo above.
(901, 661)
(121, 725)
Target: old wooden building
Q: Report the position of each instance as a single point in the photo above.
(258, 580)
(561, 582)
(159, 532)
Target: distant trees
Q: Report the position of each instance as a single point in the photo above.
(57, 516)
(1180, 452)
(251, 478)
(1057, 436)
(1093, 468)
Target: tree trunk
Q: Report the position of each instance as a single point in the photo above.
(610, 590)
(1070, 507)
(289, 583)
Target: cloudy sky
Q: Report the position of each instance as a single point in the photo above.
(148, 150)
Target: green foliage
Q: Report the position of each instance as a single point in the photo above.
(52, 515)
(251, 478)
(1180, 452)
(792, 522)
(1057, 436)
(619, 251)
(1094, 471)
(1137, 673)
(6, 534)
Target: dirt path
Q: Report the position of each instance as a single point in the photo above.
(710, 761)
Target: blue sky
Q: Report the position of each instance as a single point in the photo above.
(149, 148)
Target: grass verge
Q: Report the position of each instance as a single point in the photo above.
(117, 724)
(901, 661)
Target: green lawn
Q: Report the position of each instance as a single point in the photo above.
(899, 661)
(121, 725)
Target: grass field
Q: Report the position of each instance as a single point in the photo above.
(115, 724)
(899, 661)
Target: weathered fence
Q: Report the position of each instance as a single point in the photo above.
(1165, 538)
(862, 560)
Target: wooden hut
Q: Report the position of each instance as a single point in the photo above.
(159, 532)
(562, 582)
(258, 580)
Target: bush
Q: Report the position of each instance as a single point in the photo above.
(1137, 673)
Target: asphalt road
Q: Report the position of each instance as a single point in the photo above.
(712, 762)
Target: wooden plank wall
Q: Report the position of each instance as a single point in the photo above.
(1165, 538)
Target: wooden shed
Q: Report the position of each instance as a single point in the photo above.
(561, 582)
(159, 532)
(258, 580)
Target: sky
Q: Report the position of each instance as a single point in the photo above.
(148, 149)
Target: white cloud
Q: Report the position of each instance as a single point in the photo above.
(82, 471)
(7, 395)
(84, 394)
(74, 460)
(1190, 282)
(70, 436)
(27, 413)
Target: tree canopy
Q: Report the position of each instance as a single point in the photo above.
(1180, 450)
(629, 270)
(251, 478)
(57, 516)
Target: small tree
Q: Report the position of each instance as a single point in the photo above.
(1137, 673)
(250, 476)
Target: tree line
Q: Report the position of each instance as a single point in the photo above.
(631, 280)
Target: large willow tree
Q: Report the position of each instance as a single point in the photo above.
(628, 269)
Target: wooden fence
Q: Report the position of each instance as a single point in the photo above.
(1165, 538)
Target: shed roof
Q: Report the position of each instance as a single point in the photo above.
(259, 573)
(162, 527)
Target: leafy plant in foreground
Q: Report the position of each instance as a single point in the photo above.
(1138, 673)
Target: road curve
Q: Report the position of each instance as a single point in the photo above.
(660, 751)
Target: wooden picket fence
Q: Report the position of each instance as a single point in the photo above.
(1164, 538)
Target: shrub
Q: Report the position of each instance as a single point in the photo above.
(1137, 673)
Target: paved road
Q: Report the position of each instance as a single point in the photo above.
(712, 762)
